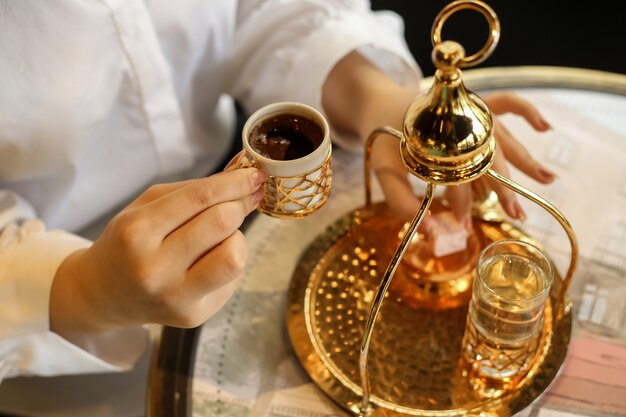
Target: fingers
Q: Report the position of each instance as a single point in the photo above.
(393, 179)
(156, 191)
(159, 190)
(219, 267)
(460, 199)
(507, 197)
(234, 159)
(208, 229)
(209, 283)
(175, 208)
(239, 161)
(514, 151)
(398, 193)
(505, 102)
(519, 156)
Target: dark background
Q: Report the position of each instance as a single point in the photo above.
(556, 33)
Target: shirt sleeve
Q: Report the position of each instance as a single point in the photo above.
(284, 50)
(29, 258)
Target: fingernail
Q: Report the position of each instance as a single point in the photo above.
(257, 196)
(543, 123)
(233, 160)
(259, 177)
(545, 174)
(518, 211)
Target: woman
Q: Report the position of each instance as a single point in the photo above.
(102, 99)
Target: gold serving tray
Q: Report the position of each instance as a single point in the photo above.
(415, 352)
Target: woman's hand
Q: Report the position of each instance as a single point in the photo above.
(358, 97)
(171, 257)
(393, 177)
(508, 150)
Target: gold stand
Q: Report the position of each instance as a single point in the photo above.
(414, 354)
(447, 139)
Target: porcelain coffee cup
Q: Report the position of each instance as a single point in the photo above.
(296, 187)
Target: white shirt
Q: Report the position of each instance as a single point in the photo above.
(100, 98)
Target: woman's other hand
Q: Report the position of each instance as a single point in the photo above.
(508, 150)
(358, 97)
(171, 257)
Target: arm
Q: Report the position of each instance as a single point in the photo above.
(294, 62)
(354, 65)
(311, 59)
(172, 257)
(29, 257)
(357, 98)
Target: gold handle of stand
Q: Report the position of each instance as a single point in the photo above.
(368, 158)
(492, 20)
(380, 295)
(546, 205)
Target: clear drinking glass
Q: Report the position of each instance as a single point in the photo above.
(505, 319)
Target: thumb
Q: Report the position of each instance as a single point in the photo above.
(460, 199)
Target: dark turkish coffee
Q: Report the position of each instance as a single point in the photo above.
(285, 136)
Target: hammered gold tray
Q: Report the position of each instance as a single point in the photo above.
(414, 352)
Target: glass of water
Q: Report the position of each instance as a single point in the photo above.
(505, 319)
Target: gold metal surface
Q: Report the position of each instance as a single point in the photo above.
(436, 282)
(415, 353)
(426, 280)
(380, 294)
(282, 193)
(368, 157)
(447, 138)
(492, 20)
(448, 130)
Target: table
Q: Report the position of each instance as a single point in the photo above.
(240, 362)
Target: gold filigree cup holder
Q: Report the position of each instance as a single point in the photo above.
(296, 197)
(383, 352)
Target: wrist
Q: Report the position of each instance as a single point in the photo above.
(386, 108)
(76, 305)
(357, 96)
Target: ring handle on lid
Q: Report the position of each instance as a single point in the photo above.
(492, 20)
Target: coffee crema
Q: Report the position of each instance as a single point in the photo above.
(284, 137)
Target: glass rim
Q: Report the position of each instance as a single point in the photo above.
(540, 252)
